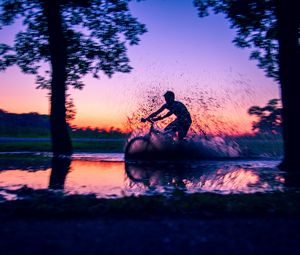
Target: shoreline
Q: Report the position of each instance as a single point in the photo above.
(46, 203)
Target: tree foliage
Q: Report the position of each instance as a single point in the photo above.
(96, 33)
(37, 125)
(256, 25)
(269, 118)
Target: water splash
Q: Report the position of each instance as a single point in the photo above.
(217, 147)
(153, 148)
(204, 176)
(212, 134)
(205, 138)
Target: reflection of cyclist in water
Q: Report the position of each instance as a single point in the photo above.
(183, 121)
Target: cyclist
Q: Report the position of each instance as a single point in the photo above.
(183, 121)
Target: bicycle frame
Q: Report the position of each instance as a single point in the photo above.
(169, 135)
(150, 145)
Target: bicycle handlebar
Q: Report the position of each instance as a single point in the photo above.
(149, 120)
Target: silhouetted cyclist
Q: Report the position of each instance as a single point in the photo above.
(183, 121)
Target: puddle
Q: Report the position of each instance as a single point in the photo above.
(107, 175)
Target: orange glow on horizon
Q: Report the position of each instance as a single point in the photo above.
(104, 106)
(225, 121)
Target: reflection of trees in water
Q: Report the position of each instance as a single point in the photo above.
(25, 163)
(60, 169)
(195, 177)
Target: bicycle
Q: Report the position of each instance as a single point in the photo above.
(150, 146)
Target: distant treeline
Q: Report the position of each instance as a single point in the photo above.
(38, 125)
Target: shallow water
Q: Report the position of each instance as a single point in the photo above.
(107, 175)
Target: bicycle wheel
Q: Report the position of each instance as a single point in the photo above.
(136, 172)
(138, 148)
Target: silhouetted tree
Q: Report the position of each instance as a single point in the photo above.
(271, 29)
(24, 124)
(269, 118)
(75, 37)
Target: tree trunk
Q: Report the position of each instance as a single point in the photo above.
(61, 142)
(288, 24)
(60, 169)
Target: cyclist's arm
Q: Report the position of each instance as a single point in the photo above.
(157, 112)
(166, 115)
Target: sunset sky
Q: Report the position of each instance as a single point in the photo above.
(194, 57)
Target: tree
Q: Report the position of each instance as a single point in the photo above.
(59, 172)
(70, 109)
(269, 118)
(75, 38)
(270, 28)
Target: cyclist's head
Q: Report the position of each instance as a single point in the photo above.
(169, 96)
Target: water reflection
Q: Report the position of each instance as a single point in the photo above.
(24, 162)
(105, 179)
(117, 178)
(203, 177)
(60, 169)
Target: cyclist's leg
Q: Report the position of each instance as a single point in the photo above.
(182, 129)
(172, 126)
(182, 133)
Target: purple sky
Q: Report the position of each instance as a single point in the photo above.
(180, 52)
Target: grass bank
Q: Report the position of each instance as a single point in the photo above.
(47, 204)
(250, 147)
(79, 146)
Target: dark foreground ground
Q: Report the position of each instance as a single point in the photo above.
(145, 236)
(43, 222)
